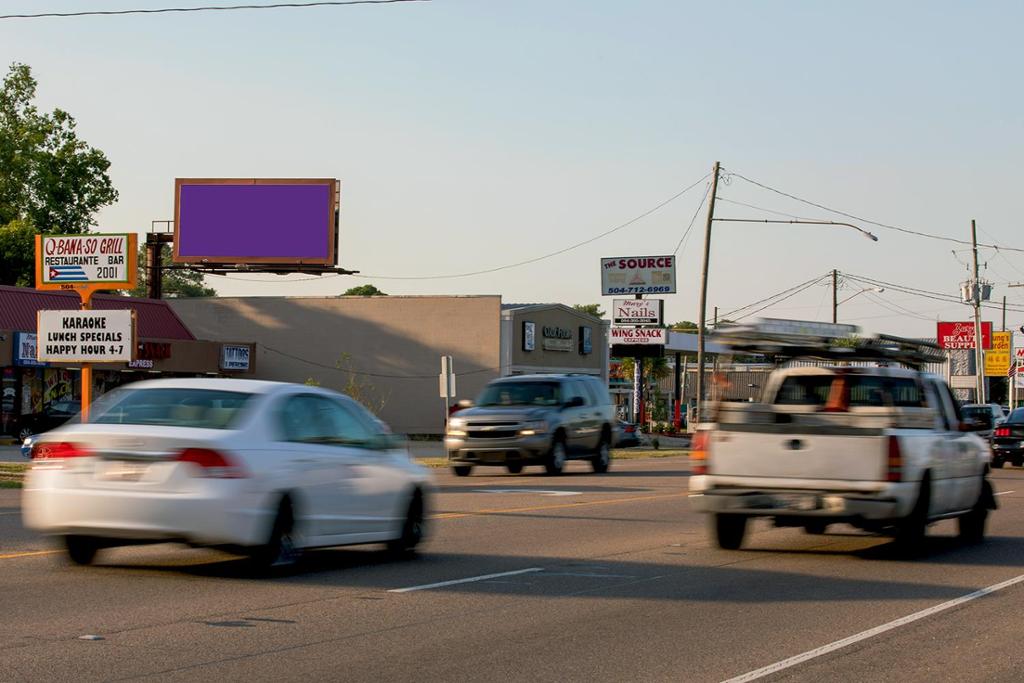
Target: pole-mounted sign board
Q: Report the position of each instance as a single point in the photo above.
(997, 359)
(639, 336)
(637, 311)
(86, 262)
(960, 335)
(86, 336)
(638, 275)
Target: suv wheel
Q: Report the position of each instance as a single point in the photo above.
(557, 457)
(603, 457)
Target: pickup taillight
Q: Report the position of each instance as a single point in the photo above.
(895, 460)
(1002, 431)
(700, 449)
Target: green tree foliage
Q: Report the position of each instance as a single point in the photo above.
(684, 326)
(17, 254)
(176, 283)
(50, 180)
(48, 176)
(590, 309)
(364, 290)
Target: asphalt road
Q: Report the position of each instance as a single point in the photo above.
(596, 578)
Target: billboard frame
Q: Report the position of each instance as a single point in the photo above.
(332, 228)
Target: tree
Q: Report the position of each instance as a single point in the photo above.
(17, 250)
(684, 326)
(590, 309)
(364, 290)
(50, 180)
(175, 283)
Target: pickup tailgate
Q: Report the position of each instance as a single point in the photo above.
(758, 452)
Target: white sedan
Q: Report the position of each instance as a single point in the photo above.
(262, 468)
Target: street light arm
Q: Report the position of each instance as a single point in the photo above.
(859, 229)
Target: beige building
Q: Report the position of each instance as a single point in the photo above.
(385, 351)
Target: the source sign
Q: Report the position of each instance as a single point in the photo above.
(86, 336)
(961, 335)
(997, 359)
(642, 335)
(638, 275)
(637, 311)
(67, 261)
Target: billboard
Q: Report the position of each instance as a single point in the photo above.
(960, 335)
(638, 275)
(255, 220)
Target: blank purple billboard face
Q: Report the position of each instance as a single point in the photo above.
(255, 221)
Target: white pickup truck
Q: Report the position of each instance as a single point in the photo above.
(881, 448)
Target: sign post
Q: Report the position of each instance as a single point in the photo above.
(86, 264)
(446, 381)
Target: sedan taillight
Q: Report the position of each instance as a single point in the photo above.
(213, 464)
(58, 450)
(1003, 431)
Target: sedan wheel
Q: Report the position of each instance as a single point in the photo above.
(413, 530)
(24, 433)
(281, 550)
(462, 470)
(81, 549)
(514, 469)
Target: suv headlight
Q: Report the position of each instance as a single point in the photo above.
(533, 428)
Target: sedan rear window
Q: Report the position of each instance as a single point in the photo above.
(171, 407)
(1016, 416)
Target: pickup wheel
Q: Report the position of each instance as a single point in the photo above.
(462, 470)
(815, 528)
(911, 531)
(971, 526)
(729, 530)
(997, 463)
(514, 469)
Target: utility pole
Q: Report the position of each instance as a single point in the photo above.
(979, 363)
(835, 295)
(1004, 313)
(704, 292)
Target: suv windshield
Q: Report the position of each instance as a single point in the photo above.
(521, 394)
(178, 407)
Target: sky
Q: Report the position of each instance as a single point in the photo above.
(473, 134)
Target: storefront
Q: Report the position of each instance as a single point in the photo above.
(385, 351)
(33, 394)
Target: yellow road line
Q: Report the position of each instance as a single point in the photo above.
(560, 506)
(32, 553)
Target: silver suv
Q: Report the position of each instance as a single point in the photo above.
(534, 420)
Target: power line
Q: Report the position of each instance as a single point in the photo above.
(937, 296)
(209, 8)
(773, 296)
(535, 259)
(692, 220)
(788, 296)
(886, 226)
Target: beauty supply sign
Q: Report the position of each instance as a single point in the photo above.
(961, 335)
(639, 336)
(638, 275)
(69, 260)
(637, 311)
(86, 336)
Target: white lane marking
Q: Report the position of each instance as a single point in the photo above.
(541, 492)
(454, 582)
(870, 633)
(591, 576)
(1003, 493)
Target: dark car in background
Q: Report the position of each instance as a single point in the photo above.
(983, 418)
(1008, 441)
(54, 415)
(626, 435)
